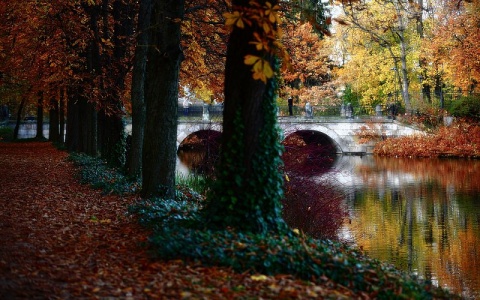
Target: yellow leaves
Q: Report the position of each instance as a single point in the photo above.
(235, 19)
(260, 43)
(259, 14)
(94, 219)
(272, 13)
(107, 42)
(259, 277)
(240, 245)
(261, 68)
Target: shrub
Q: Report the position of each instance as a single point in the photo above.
(466, 107)
(99, 175)
(6, 134)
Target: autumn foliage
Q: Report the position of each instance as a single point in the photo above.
(455, 45)
(462, 139)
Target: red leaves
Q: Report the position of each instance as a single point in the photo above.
(62, 240)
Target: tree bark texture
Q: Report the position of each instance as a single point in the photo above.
(161, 97)
(134, 163)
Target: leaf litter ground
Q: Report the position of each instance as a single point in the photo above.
(60, 239)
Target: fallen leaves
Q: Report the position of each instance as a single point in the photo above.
(459, 140)
(63, 240)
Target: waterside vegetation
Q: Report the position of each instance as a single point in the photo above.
(179, 232)
(460, 139)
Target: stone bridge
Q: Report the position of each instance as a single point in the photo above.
(343, 134)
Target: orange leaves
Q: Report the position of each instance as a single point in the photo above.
(456, 43)
(369, 133)
(459, 140)
(260, 43)
(204, 46)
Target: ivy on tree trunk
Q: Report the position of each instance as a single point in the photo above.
(248, 190)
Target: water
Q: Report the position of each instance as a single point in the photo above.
(28, 129)
(421, 215)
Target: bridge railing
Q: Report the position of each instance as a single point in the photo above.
(215, 112)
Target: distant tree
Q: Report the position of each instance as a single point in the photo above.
(111, 135)
(454, 46)
(381, 31)
(310, 76)
(204, 41)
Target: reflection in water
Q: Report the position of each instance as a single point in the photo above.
(199, 152)
(315, 207)
(312, 205)
(421, 215)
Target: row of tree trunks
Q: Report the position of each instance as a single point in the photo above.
(95, 126)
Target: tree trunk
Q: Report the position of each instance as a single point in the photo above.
(53, 132)
(134, 164)
(72, 139)
(81, 123)
(111, 119)
(248, 188)
(19, 118)
(81, 113)
(425, 87)
(403, 76)
(62, 116)
(161, 98)
(90, 128)
(40, 135)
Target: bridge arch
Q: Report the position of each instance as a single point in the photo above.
(186, 129)
(335, 140)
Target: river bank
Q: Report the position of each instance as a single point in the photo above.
(460, 139)
(63, 240)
